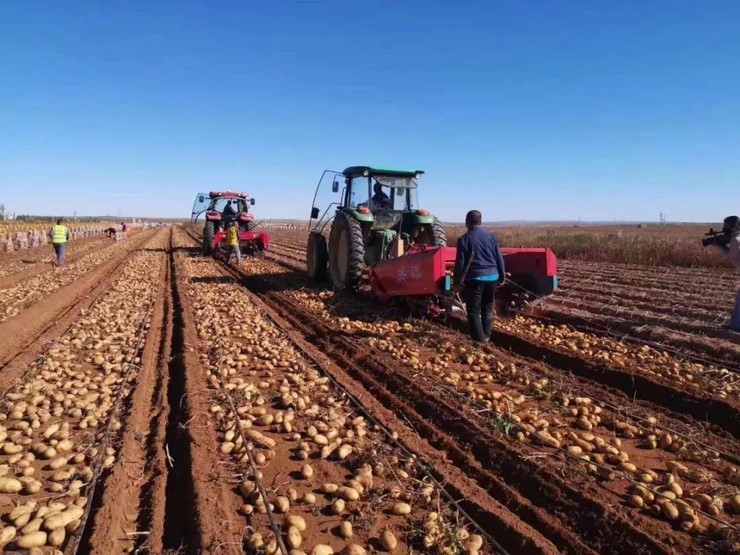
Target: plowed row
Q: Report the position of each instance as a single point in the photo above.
(710, 384)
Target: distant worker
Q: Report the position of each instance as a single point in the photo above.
(380, 200)
(110, 232)
(729, 243)
(124, 229)
(59, 237)
(232, 240)
(229, 209)
(479, 268)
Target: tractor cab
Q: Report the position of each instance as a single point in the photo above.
(372, 214)
(221, 208)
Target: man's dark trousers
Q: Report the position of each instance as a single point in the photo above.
(479, 297)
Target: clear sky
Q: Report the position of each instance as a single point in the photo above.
(522, 109)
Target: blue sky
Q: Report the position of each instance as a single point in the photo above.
(523, 109)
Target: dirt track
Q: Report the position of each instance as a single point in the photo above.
(187, 398)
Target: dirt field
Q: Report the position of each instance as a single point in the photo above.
(156, 401)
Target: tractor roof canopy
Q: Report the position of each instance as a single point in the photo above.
(354, 171)
(227, 194)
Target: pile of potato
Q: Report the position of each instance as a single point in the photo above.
(576, 425)
(14, 300)
(345, 468)
(638, 358)
(53, 419)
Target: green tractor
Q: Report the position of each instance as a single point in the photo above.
(375, 217)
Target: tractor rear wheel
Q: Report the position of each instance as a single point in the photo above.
(432, 234)
(346, 252)
(209, 232)
(317, 257)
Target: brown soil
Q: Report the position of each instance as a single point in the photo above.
(26, 334)
(131, 508)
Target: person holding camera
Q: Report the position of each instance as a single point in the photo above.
(728, 241)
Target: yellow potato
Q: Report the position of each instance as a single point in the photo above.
(35, 539)
(10, 485)
(294, 538)
(401, 509)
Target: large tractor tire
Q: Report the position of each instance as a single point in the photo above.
(317, 257)
(432, 234)
(209, 232)
(346, 252)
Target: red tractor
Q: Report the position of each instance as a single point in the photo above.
(221, 208)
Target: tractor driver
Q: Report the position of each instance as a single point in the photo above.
(229, 209)
(380, 201)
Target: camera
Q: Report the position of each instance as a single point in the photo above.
(718, 238)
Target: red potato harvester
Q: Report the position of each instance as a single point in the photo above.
(221, 208)
(422, 279)
(376, 229)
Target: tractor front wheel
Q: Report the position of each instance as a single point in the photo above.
(317, 257)
(432, 234)
(209, 232)
(346, 252)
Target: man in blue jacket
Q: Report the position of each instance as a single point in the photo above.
(479, 267)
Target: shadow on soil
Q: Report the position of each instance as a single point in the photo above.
(179, 530)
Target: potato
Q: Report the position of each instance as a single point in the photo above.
(307, 471)
(282, 504)
(337, 507)
(309, 498)
(322, 549)
(354, 549)
(33, 526)
(294, 538)
(345, 529)
(7, 534)
(670, 511)
(10, 485)
(58, 463)
(388, 540)
(344, 451)
(31, 506)
(474, 542)
(401, 509)
(57, 537)
(35, 539)
(348, 494)
(329, 488)
(296, 521)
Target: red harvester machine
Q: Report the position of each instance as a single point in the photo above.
(376, 229)
(422, 279)
(221, 208)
